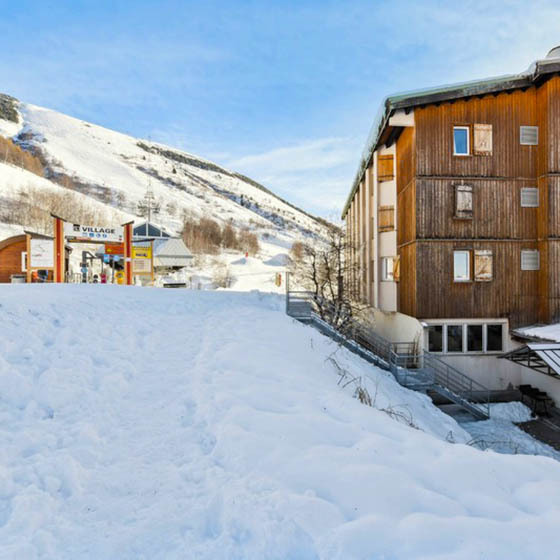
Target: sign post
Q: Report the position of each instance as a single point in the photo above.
(58, 253)
(128, 253)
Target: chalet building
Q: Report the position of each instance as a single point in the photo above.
(454, 218)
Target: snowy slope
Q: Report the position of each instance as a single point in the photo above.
(116, 167)
(139, 423)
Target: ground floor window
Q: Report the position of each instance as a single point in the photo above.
(435, 338)
(466, 338)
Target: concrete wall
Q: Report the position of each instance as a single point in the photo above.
(395, 326)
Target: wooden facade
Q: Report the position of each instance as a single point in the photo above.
(493, 223)
(10, 257)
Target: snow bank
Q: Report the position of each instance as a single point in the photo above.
(138, 423)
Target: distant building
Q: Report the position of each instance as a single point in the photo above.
(147, 229)
(454, 217)
(170, 253)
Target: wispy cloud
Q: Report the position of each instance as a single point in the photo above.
(313, 173)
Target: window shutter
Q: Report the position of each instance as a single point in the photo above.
(463, 201)
(385, 168)
(529, 197)
(397, 268)
(483, 266)
(483, 139)
(386, 218)
(530, 260)
(529, 135)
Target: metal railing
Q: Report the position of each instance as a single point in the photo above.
(412, 369)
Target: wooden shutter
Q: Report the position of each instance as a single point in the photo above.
(483, 266)
(385, 168)
(463, 202)
(397, 268)
(482, 139)
(386, 218)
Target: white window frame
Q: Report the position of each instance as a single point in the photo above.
(445, 339)
(468, 254)
(386, 270)
(535, 128)
(468, 129)
(533, 190)
(464, 338)
(538, 267)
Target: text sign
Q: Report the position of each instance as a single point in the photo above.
(94, 233)
(142, 266)
(141, 252)
(114, 249)
(42, 253)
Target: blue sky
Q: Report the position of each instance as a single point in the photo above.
(284, 92)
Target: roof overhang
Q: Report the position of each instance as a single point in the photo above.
(379, 134)
(544, 358)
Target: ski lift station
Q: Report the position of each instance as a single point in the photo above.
(122, 254)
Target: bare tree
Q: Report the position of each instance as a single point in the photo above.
(326, 271)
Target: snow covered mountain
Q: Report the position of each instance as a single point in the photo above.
(116, 169)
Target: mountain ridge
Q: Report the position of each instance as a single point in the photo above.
(117, 169)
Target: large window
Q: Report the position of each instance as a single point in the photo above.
(461, 266)
(466, 338)
(461, 140)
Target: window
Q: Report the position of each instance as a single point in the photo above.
(461, 140)
(435, 338)
(483, 266)
(530, 259)
(387, 269)
(474, 338)
(482, 141)
(386, 218)
(529, 135)
(529, 197)
(463, 202)
(454, 338)
(494, 341)
(466, 338)
(461, 266)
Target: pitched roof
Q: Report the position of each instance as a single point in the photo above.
(147, 229)
(536, 73)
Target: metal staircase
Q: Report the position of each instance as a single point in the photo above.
(419, 371)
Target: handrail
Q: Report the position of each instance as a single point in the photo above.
(410, 368)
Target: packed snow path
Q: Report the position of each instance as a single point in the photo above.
(144, 423)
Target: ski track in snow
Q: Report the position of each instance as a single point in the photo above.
(143, 423)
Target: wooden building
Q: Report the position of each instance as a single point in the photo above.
(11, 261)
(454, 215)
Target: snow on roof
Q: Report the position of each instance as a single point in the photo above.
(147, 229)
(542, 332)
(171, 252)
